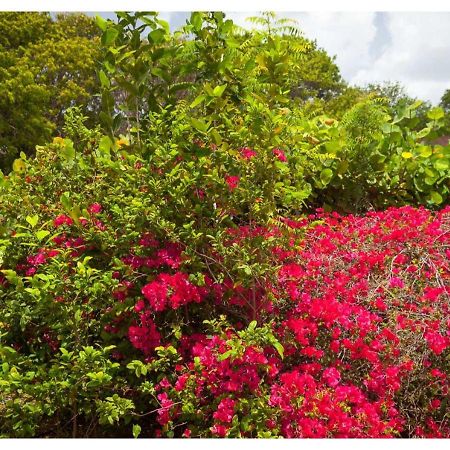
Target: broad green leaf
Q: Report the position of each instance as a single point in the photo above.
(75, 213)
(389, 128)
(197, 101)
(104, 80)
(416, 104)
(326, 175)
(104, 145)
(136, 430)
(216, 136)
(200, 125)
(218, 90)
(164, 25)
(41, 234)
(68, 151)
(19, 165)
(436, 198)
(441, 164)
(109, 36)
(65, 201)
(32, 220)
(157, 36)
(196, 20)
(422, 133)
(425, 151)
(101, 22)
(435, 113)
(342, 167)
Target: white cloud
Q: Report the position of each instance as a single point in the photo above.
(418, 55)
(346, 35)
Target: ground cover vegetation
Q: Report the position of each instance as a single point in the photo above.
(240, 246)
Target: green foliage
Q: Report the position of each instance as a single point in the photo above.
(205, 131)
(45, 66)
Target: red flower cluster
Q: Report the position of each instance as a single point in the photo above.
(247, 153)
(232, 181)
(171, 291)
(62, 220)
(362, 306)
(279, 154)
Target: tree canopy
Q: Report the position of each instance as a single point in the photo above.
(46, 65)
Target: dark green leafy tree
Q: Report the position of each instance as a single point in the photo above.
(46, 65)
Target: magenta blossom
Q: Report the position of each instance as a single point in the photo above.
(279, 154)
(232, 181)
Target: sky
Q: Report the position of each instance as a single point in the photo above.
(412, 48)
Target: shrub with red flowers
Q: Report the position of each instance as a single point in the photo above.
(174, 315)
(171, 283)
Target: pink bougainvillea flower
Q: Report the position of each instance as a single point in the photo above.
(396, 282)
(232, 181)
(95, 208)
(248, 153)
(62, 220)
(331, 376)
(279, 154)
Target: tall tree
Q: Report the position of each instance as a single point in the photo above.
(46, 65)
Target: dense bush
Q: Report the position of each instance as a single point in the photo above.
(178, 280)
(116, 310)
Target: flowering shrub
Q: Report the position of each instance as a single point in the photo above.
(164, 284)
(319, 326)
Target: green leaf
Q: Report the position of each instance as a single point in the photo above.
(109, 36)
(216, 136)
(65, 201)
(416, 104)
(164, 25)
(441, 164)
(41, 234)
(389, 128)
(136, 430)
(218, 90)
(279, 348)
(68, 151)
(200, 125)
(157, 36)
(326, 175)
(436, 198)
(252, 325)
(422, 133)
(101, 22)
(104, 146)
(19, 165)
(197, 101)
(435, 113)
(226, 355)
(425, 151)
(75, 214)
(196, 20)
(32, 220)
(104, 80)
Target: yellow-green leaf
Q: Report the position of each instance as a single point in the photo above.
(32, 220)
